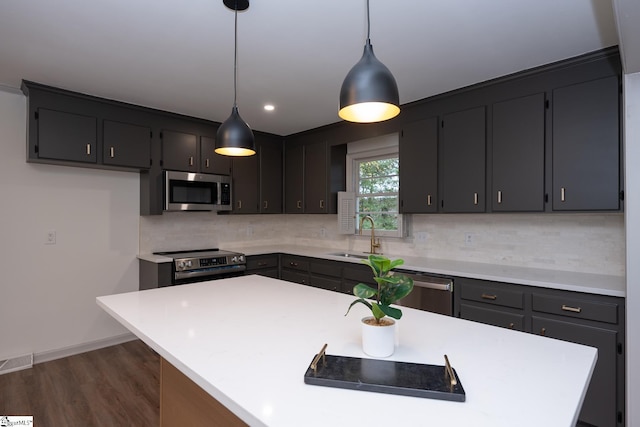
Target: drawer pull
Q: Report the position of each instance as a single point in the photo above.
(206, 163)
(299, 204)
(475, 198)
(239, 204)
(262, 264)
(543, 331)
(112, 152)
(571, 309)
(191, 161)
(499, 196)
(88, 149)
(562, 198)
(293, 264)
(428, 199)
(266, 204)
(321, 204)
(511, 325)
(489, 297)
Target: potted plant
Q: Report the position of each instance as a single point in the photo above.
(378, 333)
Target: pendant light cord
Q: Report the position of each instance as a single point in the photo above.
(235, 61)
(368, 24)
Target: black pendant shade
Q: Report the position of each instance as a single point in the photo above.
(369, 93)
(234, 136)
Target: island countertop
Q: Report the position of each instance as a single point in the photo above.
(247, 341)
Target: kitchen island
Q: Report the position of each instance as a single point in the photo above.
(247, 342)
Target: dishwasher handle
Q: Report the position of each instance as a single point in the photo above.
(429, 282)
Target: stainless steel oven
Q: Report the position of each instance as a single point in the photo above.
(204, 264)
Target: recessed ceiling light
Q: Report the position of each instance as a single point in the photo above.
(269, 107)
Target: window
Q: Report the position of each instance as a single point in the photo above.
(375, 183)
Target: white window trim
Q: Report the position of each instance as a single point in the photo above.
(370, 149)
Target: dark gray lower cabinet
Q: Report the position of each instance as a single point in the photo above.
(294, 269)
(263, 265)
(593, 320)
(326, 274)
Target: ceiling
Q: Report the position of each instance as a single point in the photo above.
(178, 55)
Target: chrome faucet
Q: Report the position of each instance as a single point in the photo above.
(375, 243)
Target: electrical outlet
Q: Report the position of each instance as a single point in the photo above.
(468, 238)
(50, 237)
(421, 236)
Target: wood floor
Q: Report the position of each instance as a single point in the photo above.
(113, 386)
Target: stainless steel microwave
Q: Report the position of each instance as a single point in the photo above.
(186, 191)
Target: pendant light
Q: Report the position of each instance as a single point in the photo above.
(369, 93)
(234, 136)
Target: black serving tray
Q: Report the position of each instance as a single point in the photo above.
(386, 376)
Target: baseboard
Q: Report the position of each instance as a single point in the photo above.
(47, 356)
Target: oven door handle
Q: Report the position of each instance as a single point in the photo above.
(213, 272)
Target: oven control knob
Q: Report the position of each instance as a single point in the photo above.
(234, 259)
(241, 258)
(188, 263)
(180, 265)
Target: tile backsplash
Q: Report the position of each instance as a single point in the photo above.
(588, 243)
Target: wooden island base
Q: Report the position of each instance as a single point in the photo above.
(183, 402)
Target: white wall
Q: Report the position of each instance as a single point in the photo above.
(632, 223)
(47, 292)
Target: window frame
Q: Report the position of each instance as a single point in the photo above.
(386, 146)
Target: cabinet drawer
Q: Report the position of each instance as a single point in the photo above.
(492, 317)
(361, 274)
(295, 263)
(575, 307)
(493, 295)
(325, 283)
(259, 262)
(295, 277)
(333, 269)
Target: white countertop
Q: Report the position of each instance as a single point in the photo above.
(556, 279)
(248, 341)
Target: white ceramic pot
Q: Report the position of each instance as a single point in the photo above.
(378, 340)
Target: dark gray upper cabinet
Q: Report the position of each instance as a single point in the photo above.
(315, 178)
(463, 166)
(518, 154)
(66, 136)
(586, 146)
(126, 145)
(270, 152)
(245, 184)
(210, 161)
(294, 179)
(179, 151)
(418, 156)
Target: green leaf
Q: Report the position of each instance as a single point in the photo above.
(362, 290)
(377, 311)
(391, 311)
(361, 301)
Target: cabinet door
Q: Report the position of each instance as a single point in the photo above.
(179, 151)
(66, 136)
(294, 179)
(315, 178)
(518, 154)
(586, 146)
(418, 156)
(463, 170)
(210, 161)
(126, 145)
(599, 407)
(271, 176)
(245, 184)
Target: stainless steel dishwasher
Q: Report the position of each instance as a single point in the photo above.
(430, 293)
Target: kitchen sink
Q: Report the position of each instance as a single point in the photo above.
(349, 255)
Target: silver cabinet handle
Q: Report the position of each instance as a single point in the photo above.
(499, 196)
(112, 152)
(191, 161)
(266, 204)
(206, 163)
(475, 198)
(571, 309)
(489, 297)
(562, 194)
(239, 204)
(428, 199)
(299, 204)
(88, 149)
(321, 204)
